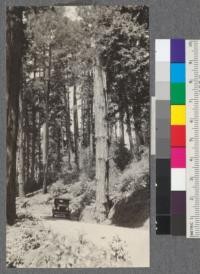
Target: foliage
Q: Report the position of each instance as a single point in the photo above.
(58, 99)
(131, 195)
(122, 155)
(119, 36)
(83, 194)
(35, 246)
(60, 252)
(58, 188)
(25, 236)
(118, 249)
(135, 176)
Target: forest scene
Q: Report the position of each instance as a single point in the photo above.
(77, 140)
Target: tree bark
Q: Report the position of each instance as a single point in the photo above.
(46, 126)
(33, 144)
(39, 150)
(27, 145)
(101, 135)
(21, 179)
(91, 129)
(67, 123)
(58, 147)
(76, 133)
(14, 40)
(121, 126)
(129, 131)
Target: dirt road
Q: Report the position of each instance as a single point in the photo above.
(137, 240)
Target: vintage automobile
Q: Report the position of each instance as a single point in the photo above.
(61, 207)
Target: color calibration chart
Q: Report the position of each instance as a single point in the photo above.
(177, 95)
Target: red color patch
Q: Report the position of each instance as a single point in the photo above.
(178, 136)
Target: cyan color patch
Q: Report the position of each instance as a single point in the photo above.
(177, 72)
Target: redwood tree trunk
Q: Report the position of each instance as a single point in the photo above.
(101, 134)
(14, 40)
(67, 123)
(76, 134)
(21, 179)
(39, 150)
(33, 144)
(121, 126)
(91, 130)
(129, 131)
(46, 126)
(27, 145)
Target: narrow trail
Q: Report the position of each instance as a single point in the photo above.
(137, 240)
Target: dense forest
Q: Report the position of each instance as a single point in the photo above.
(77, 98)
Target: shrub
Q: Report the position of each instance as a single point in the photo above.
(122, 155)
(118, 250)
(58, 188)
(23, 237)
(61, 252)
(131, 195)
(135, 176)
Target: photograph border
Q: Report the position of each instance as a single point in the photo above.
(168, 19)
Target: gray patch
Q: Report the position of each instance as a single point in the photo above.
(162, 90)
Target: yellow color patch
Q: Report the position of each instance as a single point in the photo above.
(178, 115)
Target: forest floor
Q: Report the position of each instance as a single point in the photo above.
(136, 241)
(39, 240)
(125, 247)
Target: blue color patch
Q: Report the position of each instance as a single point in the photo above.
(177, 73)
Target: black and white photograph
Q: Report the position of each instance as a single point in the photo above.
(78, 136)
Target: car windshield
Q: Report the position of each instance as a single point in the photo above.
(61, 201)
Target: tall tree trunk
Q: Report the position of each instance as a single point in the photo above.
(14, 40)
(21, 179)
(62, 138)
(39, 150)
(46, 126)
(34, 131)
(58, 147)
(101, 134)
(76, 133)
(129, 131)
(33, 144)
(121, 126)
(27, 147)
(91, 129)
(82, 134)
(138, 139)
(68, 121)
(115, 131)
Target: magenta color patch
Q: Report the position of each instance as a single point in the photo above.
(178, 157)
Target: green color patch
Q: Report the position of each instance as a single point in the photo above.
(177, 93)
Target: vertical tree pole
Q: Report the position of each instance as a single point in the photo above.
(21, 177)
(129, 131)
(91, 115)
(67, 123)
(14, 40)
(33, 144)
(76, 133)
(39, 148)
(46, 125)
(121, 125)
(101, 135)
(34, 132)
